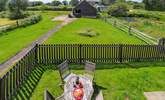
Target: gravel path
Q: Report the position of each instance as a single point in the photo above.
(4, 66)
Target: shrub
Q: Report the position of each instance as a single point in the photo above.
(51, 8)
(118, 9)
(22, 23)
(88, 33)
(138, 6)
(29, 21)
(4, 14)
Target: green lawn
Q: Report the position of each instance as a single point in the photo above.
(13, 41)
(117, 81)
(91, 31)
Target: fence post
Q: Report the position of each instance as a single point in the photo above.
(36, 54)
(120, 53)
(2, 96)
(80, 53)
(80, 58)
(17, 23)
(114, 23)
(129, 30)
(0, 89)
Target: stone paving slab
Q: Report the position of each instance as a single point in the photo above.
(160, 95)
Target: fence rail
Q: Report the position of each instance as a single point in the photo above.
(75, 53)
(132, 31)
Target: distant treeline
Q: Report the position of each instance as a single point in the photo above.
(154, 5)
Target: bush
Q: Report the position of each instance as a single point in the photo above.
(29, 21)
(118, 10)
(147, 14)
(18, 14)
(139, 6)
(4, 14)
(22, 23)
(51, 8)
(88, 33)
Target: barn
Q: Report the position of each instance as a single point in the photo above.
(85, 9)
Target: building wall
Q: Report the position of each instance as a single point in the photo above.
(86, 9)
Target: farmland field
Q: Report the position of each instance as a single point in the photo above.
(15, 40)
(5, 21)
(91, 31)
(152, 22)
(120, 80)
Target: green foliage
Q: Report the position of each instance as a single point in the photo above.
(43, 7)
(138, 6)
(22, 23)
(118, 9)
(4, 14)
(154, 5)
(147, 14)
(74, 2)
(3, 5)
(56, 3)
(108, 2)
(17, 8)
(35, 3)
(29, 21)
(50, 8)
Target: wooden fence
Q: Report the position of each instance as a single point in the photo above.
(130, 30)
(78, 53)
(14, 78)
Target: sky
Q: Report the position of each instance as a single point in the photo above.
(46, 1)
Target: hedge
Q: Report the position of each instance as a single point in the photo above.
(21, 23)
(50, 8)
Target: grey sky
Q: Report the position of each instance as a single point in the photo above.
(46, 1)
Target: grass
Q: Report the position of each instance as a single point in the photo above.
(5, 21)
(152, 22)
(13, 41)
(117, 81)
(106, 34)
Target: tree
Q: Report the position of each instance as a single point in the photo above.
(3, 5)
(154, 5)
(74, 2)
(35, 3)
(65, 2)
(17, 8)
(56, 3)
(108, 2)
(118, 9)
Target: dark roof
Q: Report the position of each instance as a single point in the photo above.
(91, 3)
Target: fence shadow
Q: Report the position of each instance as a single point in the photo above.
(97, 89)
(131, 65)
(28, 86)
